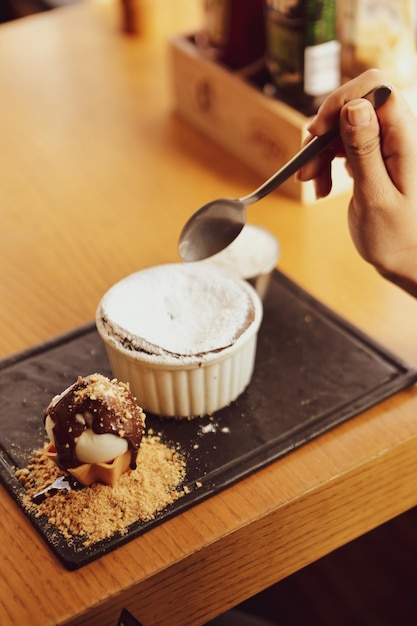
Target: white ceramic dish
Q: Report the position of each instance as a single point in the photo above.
(167, 331)
(252, 255)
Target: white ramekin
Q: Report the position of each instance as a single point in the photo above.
(193, 385)
(253, 255)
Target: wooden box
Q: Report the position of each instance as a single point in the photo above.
(231, 109)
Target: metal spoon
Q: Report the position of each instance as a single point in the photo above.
(216, 224)
(66, 483)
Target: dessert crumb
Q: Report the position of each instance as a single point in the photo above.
(90, 514)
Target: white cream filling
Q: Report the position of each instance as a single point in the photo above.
(48, 427)
(92, 447)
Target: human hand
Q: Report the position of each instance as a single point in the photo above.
(381, 155)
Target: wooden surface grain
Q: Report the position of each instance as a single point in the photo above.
(97, 177)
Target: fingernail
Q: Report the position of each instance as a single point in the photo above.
(359, 113)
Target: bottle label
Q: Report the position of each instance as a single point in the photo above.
(322, 68)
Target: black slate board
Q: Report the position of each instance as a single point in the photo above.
(313, 371)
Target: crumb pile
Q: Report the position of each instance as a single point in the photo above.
(91, 514)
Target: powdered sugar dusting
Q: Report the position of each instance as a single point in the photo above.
(180, 309)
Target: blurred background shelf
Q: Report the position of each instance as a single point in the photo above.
(14, 9)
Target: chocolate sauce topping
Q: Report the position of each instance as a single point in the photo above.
(105, 406)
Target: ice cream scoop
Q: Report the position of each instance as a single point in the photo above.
(94, 421)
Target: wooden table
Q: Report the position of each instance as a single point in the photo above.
(97, 176)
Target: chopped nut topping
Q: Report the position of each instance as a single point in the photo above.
(99, 511)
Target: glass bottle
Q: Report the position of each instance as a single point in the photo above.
(303, 52)
(381, 34)
(234, 31)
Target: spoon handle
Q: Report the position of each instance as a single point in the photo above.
(376, 97)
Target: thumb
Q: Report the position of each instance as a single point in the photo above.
(360, 132)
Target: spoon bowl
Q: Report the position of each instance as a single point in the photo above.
(212, 228)
(216, 224)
